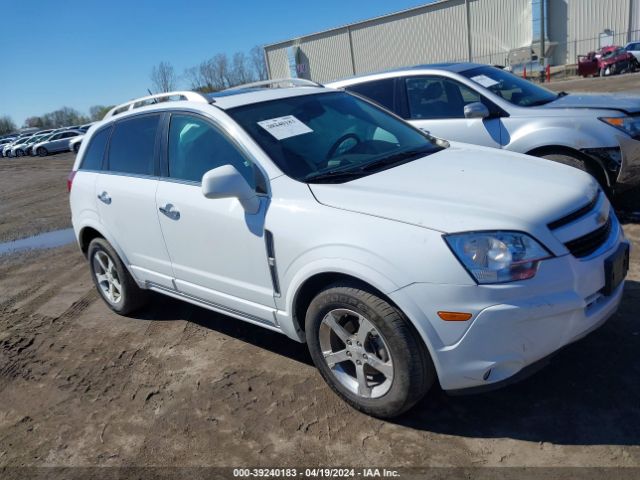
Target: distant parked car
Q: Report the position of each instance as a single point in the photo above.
(634, 49)
(58, 142)
(24, 147)
(479, 104)
(608, 61)
(74, 143)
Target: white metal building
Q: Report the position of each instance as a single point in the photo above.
(484, 31)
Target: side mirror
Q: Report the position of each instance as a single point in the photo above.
(226, 182)
(476, 110)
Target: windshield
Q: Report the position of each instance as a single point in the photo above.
(312, 137)
(513, 89)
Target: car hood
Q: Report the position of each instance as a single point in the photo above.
(465, 188)
(623, 103)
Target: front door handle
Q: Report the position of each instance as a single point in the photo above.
(170, 211)
(104, 198)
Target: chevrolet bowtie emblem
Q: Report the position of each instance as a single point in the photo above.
(602, 218)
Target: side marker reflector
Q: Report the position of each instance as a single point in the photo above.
(454, 316)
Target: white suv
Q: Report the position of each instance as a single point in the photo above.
(399, 259)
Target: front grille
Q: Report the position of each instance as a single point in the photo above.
(589, 243)
(582, 211)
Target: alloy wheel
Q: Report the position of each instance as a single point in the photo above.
(356, 353)
(107, 277)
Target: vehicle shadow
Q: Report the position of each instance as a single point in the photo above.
(164, 308)
(589, 394)
(627, 205)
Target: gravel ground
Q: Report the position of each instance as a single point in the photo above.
(178, 385)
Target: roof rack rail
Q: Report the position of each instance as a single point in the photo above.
(157, 98)
(284, 82)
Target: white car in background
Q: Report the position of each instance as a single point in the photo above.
(487, 106)
(399, 259)
(634, 49)
(74, 143)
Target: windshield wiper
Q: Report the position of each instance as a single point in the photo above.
(334, 175)
(397, 158)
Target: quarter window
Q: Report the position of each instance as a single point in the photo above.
(196, 146)
(436, 97)
(132, 145)
(95, 151)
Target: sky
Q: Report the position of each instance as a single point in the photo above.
(101, 52)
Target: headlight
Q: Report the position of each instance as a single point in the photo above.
(629, 125)
(496, 257)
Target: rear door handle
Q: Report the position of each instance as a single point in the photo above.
(170, 211)
(104, 198)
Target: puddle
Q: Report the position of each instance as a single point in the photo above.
(57, 238)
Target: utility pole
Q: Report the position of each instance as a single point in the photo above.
(466, 2)
(543, 60)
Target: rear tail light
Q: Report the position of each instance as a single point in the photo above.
(72, 174)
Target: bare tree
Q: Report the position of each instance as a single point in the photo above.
(219, 65)
(97, 112)
(240, 70)
(6, 125)
(163, 77)
(258, 62)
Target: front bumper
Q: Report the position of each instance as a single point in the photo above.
(622, 163)
(629, 175)
(513, 325)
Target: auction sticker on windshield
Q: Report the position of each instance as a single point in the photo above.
(484, 81)
(284, 127)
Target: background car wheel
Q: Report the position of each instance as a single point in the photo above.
(19, 153)
(42, 152)
(367, 351)
(76, 148)
(580, 163)
(114, 282)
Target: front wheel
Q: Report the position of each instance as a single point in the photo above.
(42, 152)
(574, 161)
(114, 282)
(367, 351)
(19, 153)
(76, 148)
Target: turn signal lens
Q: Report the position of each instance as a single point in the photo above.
(454, 316)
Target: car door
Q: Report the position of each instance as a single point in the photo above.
(436, 104)
(217, 249)
(126, 192)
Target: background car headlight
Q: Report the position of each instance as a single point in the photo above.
(496, 257)
(629, 125)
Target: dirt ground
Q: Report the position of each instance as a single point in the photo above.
(182, 386)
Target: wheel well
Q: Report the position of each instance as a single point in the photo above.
(86, 235)
(598, 170)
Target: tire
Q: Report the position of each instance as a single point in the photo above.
(107, 270)
(42, 152)
(19, 153)
(580, 163)
(76, 148)
(386, 338)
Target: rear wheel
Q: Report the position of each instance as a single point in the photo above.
(76, 148)
(42, 152)
(367, 351)
(114, 282)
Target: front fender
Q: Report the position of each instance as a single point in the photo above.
(343, 260)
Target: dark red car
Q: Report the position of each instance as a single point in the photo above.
(607, 61)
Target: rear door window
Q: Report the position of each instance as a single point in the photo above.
(380, 91)
(95, 151)
(132, 145)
